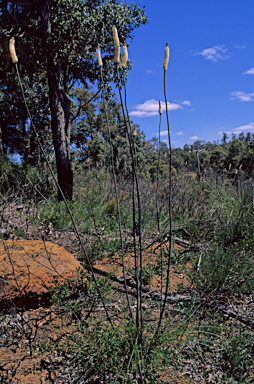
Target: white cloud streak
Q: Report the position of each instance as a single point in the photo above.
(242, 96)
(248, 127)
(249, 72)
(151, 108)
(216, 53)
(149, 72)
(240, 46)
(186, 102)
(180, 133)
(163, 133)
(194, 138)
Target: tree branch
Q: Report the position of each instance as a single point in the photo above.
(30, 31)
(83, 105)
(174, 299)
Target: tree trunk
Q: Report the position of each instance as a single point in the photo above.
(60, 125)
(59, 100)
(60, 104)
(1, 142)
(3, 129)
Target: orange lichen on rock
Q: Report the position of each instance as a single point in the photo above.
(28, 268)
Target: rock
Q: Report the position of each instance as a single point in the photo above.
(29, 267)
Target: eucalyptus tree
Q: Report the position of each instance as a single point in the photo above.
(90, 133)
(59, 38)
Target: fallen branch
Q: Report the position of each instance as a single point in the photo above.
(132, 284)
(177, 240)
(173, 299)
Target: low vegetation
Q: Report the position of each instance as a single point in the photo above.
(141, 214)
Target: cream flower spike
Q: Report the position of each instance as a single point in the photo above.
(12, 50)
(99, 56)
(117, 45)
(160, 109)
(125, 55)
(165, 64)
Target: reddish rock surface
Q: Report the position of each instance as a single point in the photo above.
(28, 268)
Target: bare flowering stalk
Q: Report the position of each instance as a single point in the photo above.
(165, 66)
(114, 178)
(138, 259)
(157, 203)
(117, 45)
(15, 61)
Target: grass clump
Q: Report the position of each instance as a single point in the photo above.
(225, 272)
(124, 354)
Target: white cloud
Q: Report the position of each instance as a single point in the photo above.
(186, 102)
(194, 138)
(216, 53)
(142, 113)
(240, 46)
(180, 133)
(248, 127)
(242, 96)
(149, 72)
(163, 133)
(249, 72)
(192, 110)
(151, 108)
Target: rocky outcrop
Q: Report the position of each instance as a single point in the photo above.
(28, 268)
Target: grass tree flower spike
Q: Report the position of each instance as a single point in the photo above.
(99, 56)
(160, 109)
(12, 50)
(117, 45)
(125, 55)
(165, 64)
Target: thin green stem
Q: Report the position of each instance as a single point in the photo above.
(169, 209)
(158, 211)
(134, 245)
(127, 122)
(136, 251)
(62, 194)
(116, 193)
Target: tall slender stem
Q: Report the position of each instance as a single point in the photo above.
(169, 211)
(116, 193)
(127, 122)
(62, 194)
(158, 211)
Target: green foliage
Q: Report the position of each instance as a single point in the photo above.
(217, 158)
(6, 168)
(237, 354)
(58, 293)
(225, 272)
(55, 212)
(124, 354)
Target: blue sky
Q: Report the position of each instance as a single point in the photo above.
(210, 76)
